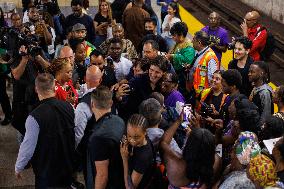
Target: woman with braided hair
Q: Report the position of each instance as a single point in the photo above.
(62, 70)
(137, 153)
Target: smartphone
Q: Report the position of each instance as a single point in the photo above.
(125, 55)
(40, 17)
(204, 104)
(69, 91)
(109, 61)
(72, 94)
(206, 110)
(109, 21)
(131, 89)
(218, 150)
(187, 113)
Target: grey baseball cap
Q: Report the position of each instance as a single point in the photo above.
(78, 26)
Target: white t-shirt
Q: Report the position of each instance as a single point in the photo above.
(25, 17)
(51, 48)
(166, 23)
(122, 68)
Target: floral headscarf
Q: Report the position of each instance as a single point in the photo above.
(246, 147)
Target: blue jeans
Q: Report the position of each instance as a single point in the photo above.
(158, 24)
(99, 39)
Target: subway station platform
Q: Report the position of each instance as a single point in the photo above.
(8, 135)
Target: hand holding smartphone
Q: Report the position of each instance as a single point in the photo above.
(187, 114)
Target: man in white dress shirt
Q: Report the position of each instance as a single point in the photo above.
(121, 65)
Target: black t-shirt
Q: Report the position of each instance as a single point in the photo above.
(99, 18)
(163, 46)
(215, 100)
(142, 162)
(24, 95)
(13, 43)
(23, 89)
(141, 90)
(118, 7)
(86, 20)
(107, 149)
(280, 175)
(246, 85)
(224, 111)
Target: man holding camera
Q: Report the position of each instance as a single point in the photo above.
(12, 42)
(24, 69)
(218, 36)
(6, 52)
(39, 29)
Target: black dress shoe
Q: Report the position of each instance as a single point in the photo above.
(6, 121)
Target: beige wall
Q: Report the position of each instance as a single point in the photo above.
(18, 3)
(273, 8)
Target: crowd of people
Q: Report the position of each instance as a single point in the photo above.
(131, 102)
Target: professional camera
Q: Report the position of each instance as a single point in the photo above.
(3, 37)
(42, 8)
(231, 46)
(30, 41)
(51, 7)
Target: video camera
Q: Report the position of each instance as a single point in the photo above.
(30, 41)
(231, 46)
(51, 7)
(42, 8)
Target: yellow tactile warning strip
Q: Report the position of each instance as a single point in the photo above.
(195, 25)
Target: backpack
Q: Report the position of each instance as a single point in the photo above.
(269, 47)
(159, 177)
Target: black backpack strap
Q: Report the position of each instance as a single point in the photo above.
(260, 30)
(154, 164)
(153, 150)
(158, 178)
